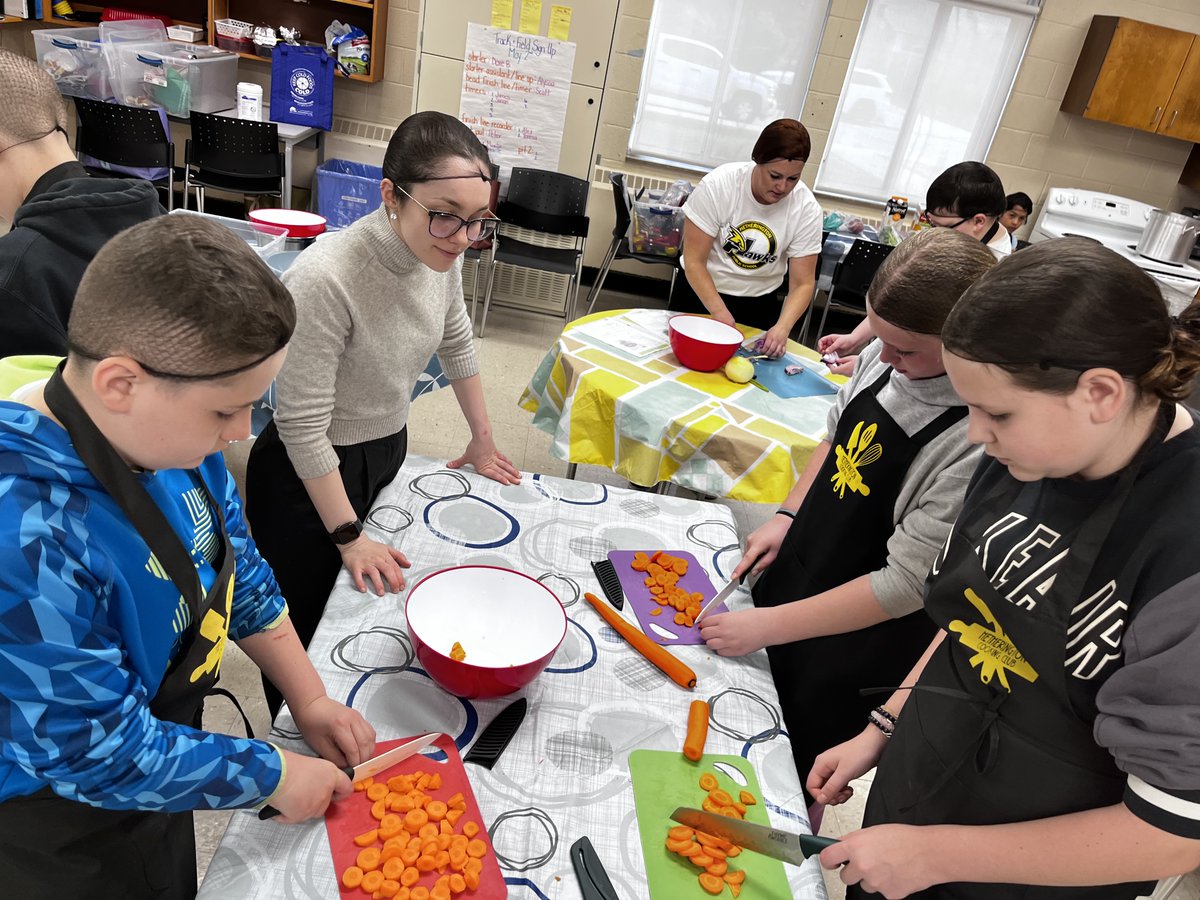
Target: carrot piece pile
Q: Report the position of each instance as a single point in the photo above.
(418, 835)
(708, 853)
(663, 572)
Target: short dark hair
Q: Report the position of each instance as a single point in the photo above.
(966, 189)
(1021, 199)
(782, 139)
(1063, 306)
(183, 295)
(422, 143)
(919, 282)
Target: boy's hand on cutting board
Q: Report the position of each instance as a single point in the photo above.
(309, 785)
(338, 733)
(738, 633)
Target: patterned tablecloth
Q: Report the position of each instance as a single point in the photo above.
(651, 420)
(566, 772)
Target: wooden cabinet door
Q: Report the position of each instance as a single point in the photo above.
(1181, 118)
(1138, 74)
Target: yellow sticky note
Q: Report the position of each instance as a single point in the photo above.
(502, 14)
(560, 23)
(531, 16)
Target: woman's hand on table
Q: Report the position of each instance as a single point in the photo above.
(309, 785)
(381, 563)
(762, 546)
(832, 771)
(739, 633)
(482, 454)
(774, 341)
(338, 733)
(889, 860)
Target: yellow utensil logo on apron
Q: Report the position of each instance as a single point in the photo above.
(859, 451)
(995, 653)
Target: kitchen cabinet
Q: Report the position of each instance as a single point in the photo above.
(311, 17)
(1139, 75)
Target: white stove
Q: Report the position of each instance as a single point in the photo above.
(1117, 223)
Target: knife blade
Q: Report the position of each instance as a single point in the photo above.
(375, 764)
(785, 845)
(593, 880)
(722, 594)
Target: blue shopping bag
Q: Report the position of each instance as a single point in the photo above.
(302, 86)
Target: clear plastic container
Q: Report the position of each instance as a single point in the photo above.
(175, 76)
(74, 57)
(266, 240)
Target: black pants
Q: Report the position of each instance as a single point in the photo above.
(289, 533)
(761, 312)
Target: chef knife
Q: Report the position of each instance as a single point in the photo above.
(791, 848)
(375, 764)
(721, 596)
(593, 880)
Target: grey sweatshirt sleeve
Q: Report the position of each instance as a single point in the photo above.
(1149, 711)
(307, 383)
(456, 352)
(925, 510)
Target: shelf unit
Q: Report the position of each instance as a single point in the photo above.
(311, 18)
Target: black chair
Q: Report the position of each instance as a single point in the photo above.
(619, 248)
(236, 155)
(131, 136)
(483, 250)
(851, 279)
(550, 206)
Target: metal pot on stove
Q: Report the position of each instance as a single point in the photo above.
(1168, 237)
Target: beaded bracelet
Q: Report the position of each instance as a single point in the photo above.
(885, 714)
(883, 720)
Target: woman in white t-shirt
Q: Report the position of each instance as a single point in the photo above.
(747, 226)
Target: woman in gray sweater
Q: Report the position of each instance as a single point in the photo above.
(374, 302)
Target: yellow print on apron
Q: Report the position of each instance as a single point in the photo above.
(995, 653)
(859, 451)
(214, 628)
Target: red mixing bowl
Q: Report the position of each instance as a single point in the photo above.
(509, 624)
(702, 343)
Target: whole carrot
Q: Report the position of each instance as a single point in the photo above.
(672, 667)
(697, 730)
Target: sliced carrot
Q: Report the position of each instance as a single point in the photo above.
(702, 860)
(436, 810)
(471, 829)
(454, 815)
(691, 851)
(458, 858)
(747, 798)
(425, 863)
(717, 867)
(377, 791)
(390, 826)
(352, 877)
(368, 859)
(473, 865)
(428, 831)
(477, 849)
(410, 876)
(720, 797)
(457, 801)
(656, 611)
(440, 860)
(442, 892)
(414, 819)
(367, 838)
(410, 855)
(419, 893)
(678, 846)
(371, 881)
(472, 880)
(389, 888)
(708, 782)
(680, 832)
(735, 850)
(457, 884)
(379, 809)
(735, 890)
(711, 883)
(736, 876)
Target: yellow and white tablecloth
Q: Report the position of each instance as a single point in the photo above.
(652, 420)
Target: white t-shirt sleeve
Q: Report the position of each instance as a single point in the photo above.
(704, 207)
(806, 238)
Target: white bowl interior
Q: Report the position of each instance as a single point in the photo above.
(708, 330)
(501, 617)
(288, 217)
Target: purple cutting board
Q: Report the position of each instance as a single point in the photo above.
(639, 596)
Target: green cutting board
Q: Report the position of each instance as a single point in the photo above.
(663, 780)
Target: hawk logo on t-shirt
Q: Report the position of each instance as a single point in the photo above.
(859, 451)
(750, 245)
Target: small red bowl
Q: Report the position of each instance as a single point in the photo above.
(702, 343)
(509, 624)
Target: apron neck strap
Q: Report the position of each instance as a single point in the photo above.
(115, 476)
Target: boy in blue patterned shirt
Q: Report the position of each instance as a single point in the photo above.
(125, 565)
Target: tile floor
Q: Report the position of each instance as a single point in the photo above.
(515, 344)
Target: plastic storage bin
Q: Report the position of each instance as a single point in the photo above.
(347, 191)
(74, 57)
(178, 77)
(656, 229)
(266, 240)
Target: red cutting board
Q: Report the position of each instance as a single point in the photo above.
(348, 818)
(633, 583)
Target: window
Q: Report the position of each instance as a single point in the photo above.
(717, 71)
(927, 85)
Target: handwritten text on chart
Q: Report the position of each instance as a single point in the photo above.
(514, 95)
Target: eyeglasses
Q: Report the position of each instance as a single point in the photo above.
(933, 224)
(443, 225)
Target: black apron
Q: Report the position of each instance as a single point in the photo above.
(990, 735)
(51, 847)
(840, 533)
